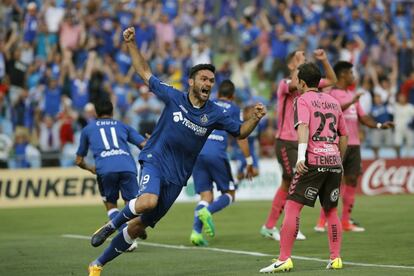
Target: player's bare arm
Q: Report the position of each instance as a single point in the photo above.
(248, 126)
(343, 143)
(138, 61)
(244, 147)
(371, 123)
(321, 56)
(303, 137)
(354, 100)
(80, 162)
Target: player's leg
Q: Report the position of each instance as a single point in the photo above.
(302, 191)
(329, 196)
(148, 199)
(352, 170)
(203, 185)
(287, 155)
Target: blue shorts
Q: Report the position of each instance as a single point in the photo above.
(208, 170)
(151, 182)
(111, 184)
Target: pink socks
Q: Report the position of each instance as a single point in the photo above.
(277, 208)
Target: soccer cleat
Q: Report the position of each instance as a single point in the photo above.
(133, 246)
(335, 264)
(300, 236)
(270, 233)
(207, 219)
(94, 270)
(197, 239)
(320, 227)
(278, 266)
(102, 234)
(348, 226)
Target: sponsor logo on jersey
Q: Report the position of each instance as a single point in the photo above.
(113, 152)
(311, 193)
(198, 130)
(334, 170)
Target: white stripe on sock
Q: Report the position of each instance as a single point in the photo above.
(111, 211)
(203, 202)
(131, 205)
(127, 238)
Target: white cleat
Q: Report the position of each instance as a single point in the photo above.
(300, 236)
(278, 266)
(133, 246)
(272, 233)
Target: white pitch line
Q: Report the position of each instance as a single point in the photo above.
(240, 252)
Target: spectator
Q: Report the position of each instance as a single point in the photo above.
(5, 147)
(49, 142)
(404, 123)
(25, 154)
(381, 113)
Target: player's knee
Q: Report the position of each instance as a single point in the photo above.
(146, 203)
(286, 183)
(207, 196)
(136, 228)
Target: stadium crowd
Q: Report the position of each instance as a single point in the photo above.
(58, 57)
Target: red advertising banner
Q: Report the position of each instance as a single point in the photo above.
(387, 176)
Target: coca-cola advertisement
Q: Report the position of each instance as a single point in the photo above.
(387, 176)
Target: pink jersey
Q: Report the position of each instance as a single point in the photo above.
(285, 124)
(351, 114)
(323, 114)
(285, 100)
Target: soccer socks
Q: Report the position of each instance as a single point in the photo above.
(334, 233)
(348, 199)
(278, 204)
(125, 215)
(198, 225)
(112, 214)
(118, 245)
(290, 228)
(220, 203)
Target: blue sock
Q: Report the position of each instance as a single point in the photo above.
(221, 202)
(125, 215)
(118, 245)
(198, 225)
(112, 214)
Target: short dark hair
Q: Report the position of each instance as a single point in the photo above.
(199, 67)
(310, 74)
(104, 107)
(226, 89)
(342, 66)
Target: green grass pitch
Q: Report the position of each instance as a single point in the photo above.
(31, 241)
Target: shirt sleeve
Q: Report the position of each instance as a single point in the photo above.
(228, 124)
(302, 112)
(163, 91)
(83, 144)
(134, 137)
(283, 87)
(342, 130)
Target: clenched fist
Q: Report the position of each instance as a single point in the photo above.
(129, 34)
(259, 111)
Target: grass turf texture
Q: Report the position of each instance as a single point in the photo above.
(31, 241)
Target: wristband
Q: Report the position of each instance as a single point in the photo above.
(249, 160)
(302, 147)
(379, 125)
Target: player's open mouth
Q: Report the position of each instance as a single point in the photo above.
(205, 91)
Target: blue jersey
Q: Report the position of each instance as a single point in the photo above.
(108, 140)
(181, 132)
(216, 145)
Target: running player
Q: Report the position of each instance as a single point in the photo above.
(168, 158)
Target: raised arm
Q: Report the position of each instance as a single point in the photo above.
(138, 61)
(248, 126)
(330, 73)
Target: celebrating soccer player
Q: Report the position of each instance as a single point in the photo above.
(168, 157)
(353, 114)
(213, 166)
(286, 143)
(322, 143)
